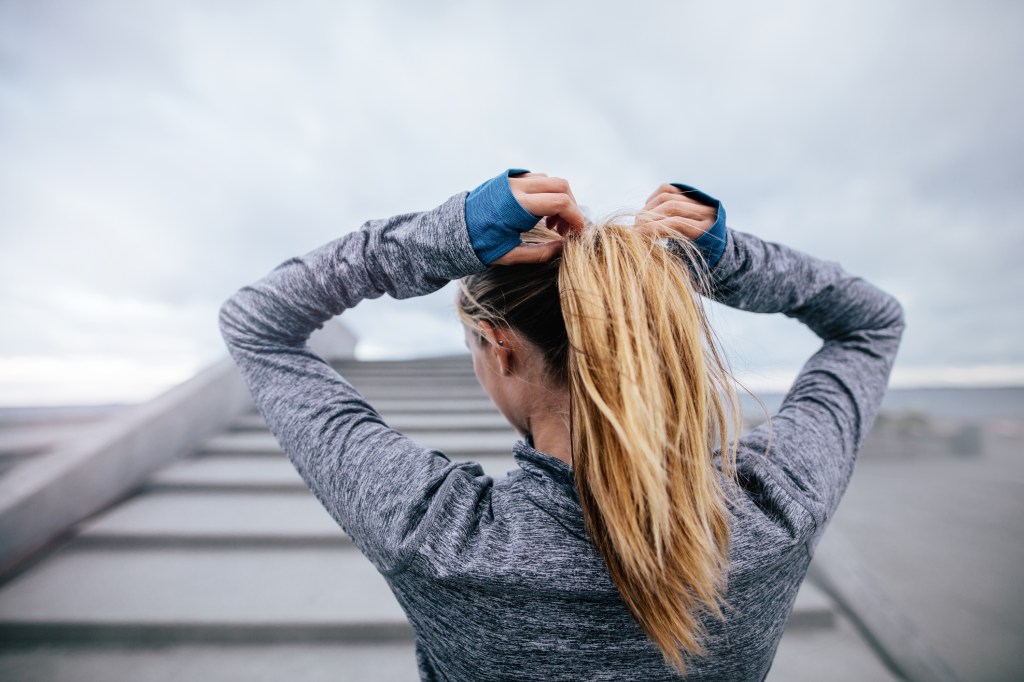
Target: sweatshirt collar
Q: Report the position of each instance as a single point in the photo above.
(554, 479)
(538, 463)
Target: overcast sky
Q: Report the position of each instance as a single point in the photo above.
(158, 156)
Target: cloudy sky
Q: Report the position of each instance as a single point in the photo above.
(158, 156)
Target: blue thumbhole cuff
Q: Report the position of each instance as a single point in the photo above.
(495, 218)
(712, 242)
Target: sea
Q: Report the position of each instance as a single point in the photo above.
(974, 403)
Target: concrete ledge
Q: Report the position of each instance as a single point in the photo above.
(42, 497)
(812, 610)
(334, 341)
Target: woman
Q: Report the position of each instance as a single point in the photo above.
(626, 545)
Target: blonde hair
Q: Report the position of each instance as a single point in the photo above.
(619, 321)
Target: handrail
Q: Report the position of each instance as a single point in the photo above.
(41, 497)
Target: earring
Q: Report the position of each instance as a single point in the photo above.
(500, 342)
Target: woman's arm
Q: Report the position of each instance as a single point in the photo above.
(827, 413)
(365, 474)
(381, 487)
(830, 408)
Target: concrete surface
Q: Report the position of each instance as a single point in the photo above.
(944, 539)
(836, 654)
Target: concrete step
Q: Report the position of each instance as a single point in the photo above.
(463, 360)
(239, 473)
(490, 421)
(206, 594)
(438, 406)
(443, 380)
(453, 373)
(207, 474)
(225, 595)
(377, 394)
(323, 662)
(168, 519)
(455, 444)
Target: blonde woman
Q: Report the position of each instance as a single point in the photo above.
(639, 538)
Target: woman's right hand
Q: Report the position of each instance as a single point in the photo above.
(513, 202)
(669, 212)
(550, 198)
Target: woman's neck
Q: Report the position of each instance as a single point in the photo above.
(549, 425)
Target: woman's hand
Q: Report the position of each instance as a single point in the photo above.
(669, 212)
(544, 197)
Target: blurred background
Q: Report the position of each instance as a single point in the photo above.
(159, 156)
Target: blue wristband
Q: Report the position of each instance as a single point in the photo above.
(495, 218)
(712, 242)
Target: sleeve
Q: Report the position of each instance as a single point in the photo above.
(383, 489)
(711, 244)
(810, 445)
(495, 218)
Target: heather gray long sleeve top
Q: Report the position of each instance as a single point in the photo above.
(498, 577)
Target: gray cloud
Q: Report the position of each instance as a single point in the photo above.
(159, 156)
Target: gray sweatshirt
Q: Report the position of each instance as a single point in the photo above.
(498, 577)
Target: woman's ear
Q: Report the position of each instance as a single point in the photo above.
(501, 342)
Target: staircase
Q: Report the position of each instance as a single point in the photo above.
(223, 566)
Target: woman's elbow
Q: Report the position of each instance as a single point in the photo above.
(898, 314)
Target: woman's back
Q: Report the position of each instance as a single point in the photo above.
(499, 579)
(525, 594)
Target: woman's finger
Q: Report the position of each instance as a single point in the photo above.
(666, 197)
(674, 226)
(684, 209)
(555, 223)
(531, 253)
(556, 204)
(544, 185)
(664, 188)
(658, 199)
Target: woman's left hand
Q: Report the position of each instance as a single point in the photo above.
(670, 211)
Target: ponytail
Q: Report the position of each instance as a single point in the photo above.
(648, 395)
(619, 321)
